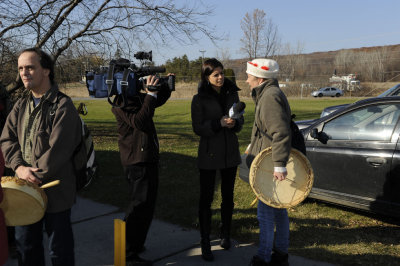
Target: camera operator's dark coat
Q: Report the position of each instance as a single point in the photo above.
(219, 146)
(137, 138)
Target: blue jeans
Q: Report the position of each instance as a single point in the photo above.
(29, 240)
(268, 219)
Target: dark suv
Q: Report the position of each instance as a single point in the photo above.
(355, 155)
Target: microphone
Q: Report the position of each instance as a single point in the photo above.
(237, 110)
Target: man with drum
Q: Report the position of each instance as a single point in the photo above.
(271, 129)
(39, 150)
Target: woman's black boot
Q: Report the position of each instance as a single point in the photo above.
(205, 229)
(225, 238)
(226, 243)
(225, 233)
(206, 253)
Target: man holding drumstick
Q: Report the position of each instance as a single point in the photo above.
(40, 149)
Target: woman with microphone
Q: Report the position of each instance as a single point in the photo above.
(216, 119)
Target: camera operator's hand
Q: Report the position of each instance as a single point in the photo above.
(151, 81)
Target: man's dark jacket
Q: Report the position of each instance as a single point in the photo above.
(137, 140)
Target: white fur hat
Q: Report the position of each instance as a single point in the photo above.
(263, 68)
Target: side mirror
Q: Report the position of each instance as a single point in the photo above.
(314, 133)
(321, 136)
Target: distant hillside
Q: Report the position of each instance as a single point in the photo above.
(374, 64)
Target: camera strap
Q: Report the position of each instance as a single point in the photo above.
(110, 80)
(118, 100)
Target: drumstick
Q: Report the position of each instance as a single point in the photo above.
(51, 184)
(291, 180)
(254, 202)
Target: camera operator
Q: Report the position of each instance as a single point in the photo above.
(139, 151)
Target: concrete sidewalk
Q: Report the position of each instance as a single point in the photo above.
(167, 244)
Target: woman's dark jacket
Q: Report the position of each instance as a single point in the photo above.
(219, 147)
(137, 140)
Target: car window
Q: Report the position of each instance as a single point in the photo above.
(393, 91)
(396, 93)
(368, 123)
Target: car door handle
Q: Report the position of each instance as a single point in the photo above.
(376, 161)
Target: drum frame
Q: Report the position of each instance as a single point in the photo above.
(306, 165)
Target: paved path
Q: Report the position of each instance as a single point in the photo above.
(167, 244)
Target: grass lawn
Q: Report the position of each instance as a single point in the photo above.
(318, 231)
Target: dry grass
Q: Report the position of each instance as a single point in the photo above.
(186, 90)
(75, 90)
(183, 90)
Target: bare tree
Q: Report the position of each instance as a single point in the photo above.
(271, 39)
(98, 25)
(373, 64)
(382, 59)
(224, 56)
(292, 63)
(260, 35)
(344, 61)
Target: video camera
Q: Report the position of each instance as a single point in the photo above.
(123, 79)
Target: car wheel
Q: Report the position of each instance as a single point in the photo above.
(337, 94)
(320, 95)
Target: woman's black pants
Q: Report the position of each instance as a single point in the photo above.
(207, 186)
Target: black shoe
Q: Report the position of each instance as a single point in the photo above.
(138, 261)
(143, 249)
(206, 253)
(257, 261)
(279, 258)
(226, 243)
(12, 252)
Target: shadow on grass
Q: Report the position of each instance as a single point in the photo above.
(337, 258)
(366, 245)
(109, 185)
(346, 242)
(178, 189)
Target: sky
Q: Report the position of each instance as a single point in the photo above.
(319, 25)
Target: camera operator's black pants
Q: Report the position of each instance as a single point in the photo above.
(143, 184)
(207, 186)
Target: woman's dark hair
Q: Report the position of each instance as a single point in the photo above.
(208, 67)
(46, 61)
